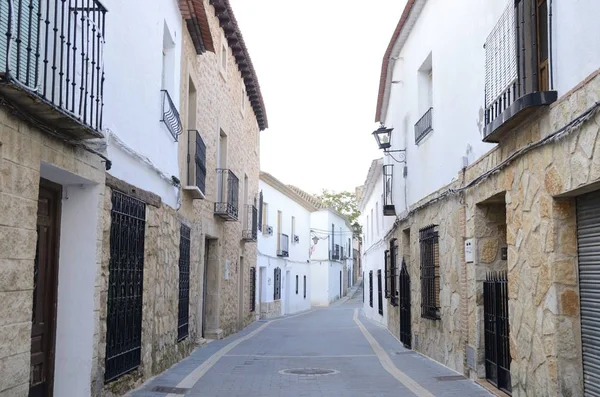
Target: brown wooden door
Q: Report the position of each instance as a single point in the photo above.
(44, 291)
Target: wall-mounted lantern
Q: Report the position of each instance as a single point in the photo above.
(383, 136)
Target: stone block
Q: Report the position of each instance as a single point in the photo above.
(17, 212)
(17, 391)
(16, 307)
(21, 149)
(15, 339)
(14, 370)
(553, 182)
(580, 170)
(17, 243)
(489, 251)
(569, 303)
(19, 181)
(16, 275)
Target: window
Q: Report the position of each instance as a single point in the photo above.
(293, 229)
(252, 289)
(542, 38)
(265, 217)
(394, 273)
(304, 287)
(260, 211)
(430, 272)
(297, 283)
(379, 294)
(371, 288)
(223, 57)
(277, 284)
(388, 287)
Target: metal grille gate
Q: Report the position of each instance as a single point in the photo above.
(588, 241)
(405, 330)
(379, 293)
(125, 286)
(252, 289)
(497, 341)
(183, 318)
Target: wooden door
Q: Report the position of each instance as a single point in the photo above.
(45, 283)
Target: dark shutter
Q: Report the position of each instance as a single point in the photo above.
(260, 211)
(277, 284)
(184, 284)
(304, 287)
(588, 240)
(387, 273)
(200, 160)
(252, 289)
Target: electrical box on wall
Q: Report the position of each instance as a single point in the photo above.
(469, 250)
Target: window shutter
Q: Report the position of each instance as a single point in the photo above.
(387, 273)
(200, 163)
(260, 211)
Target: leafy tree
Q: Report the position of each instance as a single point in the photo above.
(346, 204)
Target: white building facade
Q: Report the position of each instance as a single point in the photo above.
(284, 276)
(483, 194)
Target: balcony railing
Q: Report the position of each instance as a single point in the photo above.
(196, 163)
(170, 115)
(388, 192)
(516, 67)
(334, 254)
(52, 62)
(424, 125)
(284, 243)
(250, 232)
(227, 195)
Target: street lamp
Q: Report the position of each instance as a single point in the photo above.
(383, 136)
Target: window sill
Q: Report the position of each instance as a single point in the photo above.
(195, 192)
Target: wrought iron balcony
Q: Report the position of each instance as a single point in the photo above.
(170, 115)
(284, 244)
(389, 209)
(517, 74)
(196, 163)
(51, 63)
(424, 125)
(335, 253)
(226, 205)
(250, 232)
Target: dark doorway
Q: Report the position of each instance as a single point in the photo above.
(404, 284)
(45, 273)
(204, 291)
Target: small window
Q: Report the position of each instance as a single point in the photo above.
(430, 272)
(304, 287)
(265, 217)
(277, 284)
(371, 288)
(297, 283)
(223, 57)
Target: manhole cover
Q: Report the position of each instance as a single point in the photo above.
(308, 371)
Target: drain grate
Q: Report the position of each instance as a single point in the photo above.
(450, 378)
(309, 371)
(170, 390)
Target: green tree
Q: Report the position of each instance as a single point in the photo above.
(346, 204)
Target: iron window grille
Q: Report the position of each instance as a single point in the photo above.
(388, 192)
(394, 272)
(297, 283)
(184, 284)
(517, 72)
(335, 254)
(405, 309)
(260, 211)
(424, 126)
(125, 286)
(430, 272)
(250, 232)
(170, 115)
(388, 286)
(304, 287)
(277, 284)
(497, 331)
(252, 289)
(197, 167)
(371, 288)
(284, 243)
(379, 293)
(54, 50)
(228, 190)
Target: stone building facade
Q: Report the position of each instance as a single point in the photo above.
(516, 206)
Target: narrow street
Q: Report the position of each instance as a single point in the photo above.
(365, 359)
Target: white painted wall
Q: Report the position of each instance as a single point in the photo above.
(77, 270)
(132, 106)
(576, 42)
(454, 38)
(298, 261)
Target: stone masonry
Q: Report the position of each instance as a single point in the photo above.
(528, 206)
(22, 150)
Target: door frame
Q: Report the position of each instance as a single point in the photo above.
(57, 190)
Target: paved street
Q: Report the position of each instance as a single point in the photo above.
(365, 358)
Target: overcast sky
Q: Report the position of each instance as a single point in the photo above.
(318, 64)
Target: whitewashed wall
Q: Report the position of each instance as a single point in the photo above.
(297, 264)
(135, 31)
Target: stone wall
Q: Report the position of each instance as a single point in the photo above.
(219, 108)
(22, 150)
(160, 302)
(528, 205)
(270, 309)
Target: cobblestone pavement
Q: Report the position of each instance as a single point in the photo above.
(366, 359)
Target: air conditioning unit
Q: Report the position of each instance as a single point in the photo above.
(296, 239)
(269, 230)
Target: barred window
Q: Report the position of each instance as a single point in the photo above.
(371, 288)
(388, 284)
(252, 289)
(379, 293)
(277, 284)
(394, 272)
(430, 272)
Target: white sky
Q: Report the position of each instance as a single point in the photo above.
(318, 64)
